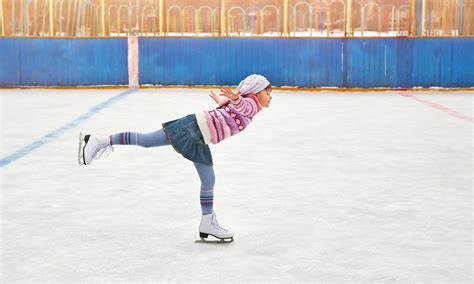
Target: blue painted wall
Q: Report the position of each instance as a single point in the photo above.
(302, 62)
(310, 62)
(63, 62)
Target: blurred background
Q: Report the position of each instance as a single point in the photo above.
(249, 18)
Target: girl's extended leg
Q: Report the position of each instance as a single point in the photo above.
(147, 140)
(92, 146)
(208, 179)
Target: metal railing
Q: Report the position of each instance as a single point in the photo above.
(296, 18)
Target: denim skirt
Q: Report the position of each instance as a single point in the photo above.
(186, 138)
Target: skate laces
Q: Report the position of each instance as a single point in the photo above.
(216, 224)
(103, 150)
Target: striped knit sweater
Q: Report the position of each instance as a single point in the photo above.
(231, 117)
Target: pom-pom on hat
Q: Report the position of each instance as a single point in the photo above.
(252, 84)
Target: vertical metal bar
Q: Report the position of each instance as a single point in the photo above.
(23, 16)
(72, 30)
(44, 18)
(196, 22)
(130, 19)
(107, 19)
(162, 17)
(102, 17)
(328, 19)
(13, 19)
(423, 17)
(181, 14)
(460, 17)
(2, 15)
(222, 26)
(118, 21)
(51, 17)
(379, 18)
(68, 17)
(61, 3)
(97, 20)
(27, 22)
(78, 17)
(413, 17)
(293, 21)
(285, 17)
(393, 18)
(137, 17)
(278, 27)
(348, 31)
(35, 32)
(142, 20)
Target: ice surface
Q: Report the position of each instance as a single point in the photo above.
(322, 187)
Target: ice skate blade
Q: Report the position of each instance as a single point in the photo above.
(216, 241)
(203, 237)
(80, 154)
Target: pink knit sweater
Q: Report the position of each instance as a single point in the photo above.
(231, 117)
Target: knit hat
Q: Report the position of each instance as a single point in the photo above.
(252, 84)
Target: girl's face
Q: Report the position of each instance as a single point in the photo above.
(264, 97)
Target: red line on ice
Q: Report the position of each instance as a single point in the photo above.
(440, 107)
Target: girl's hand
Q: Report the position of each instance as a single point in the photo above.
(226, 91)
(215, 97)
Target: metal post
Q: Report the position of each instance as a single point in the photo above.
(3, 17)
(102, 17)
(13, 19)
(223, 21)
(51, 17)
(27, 20)
(69, 5)
(60, 2)
(423, 17)
(22, 17)
(349, 18)
(161, 16)
(460, 17)
(137, 18)
(285, 17)
(414, 21)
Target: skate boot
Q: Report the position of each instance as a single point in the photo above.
(92, 147)
(209, 226)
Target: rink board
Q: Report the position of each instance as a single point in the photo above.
(297, 62)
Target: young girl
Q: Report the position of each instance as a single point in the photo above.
(190, 137)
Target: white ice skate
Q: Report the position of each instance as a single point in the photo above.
(210, 226)
(92, 147)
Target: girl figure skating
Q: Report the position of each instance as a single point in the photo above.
(190, 137)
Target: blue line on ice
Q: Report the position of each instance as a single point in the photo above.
(58, 132)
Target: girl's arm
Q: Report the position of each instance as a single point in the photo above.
(219, 99)
(247, 106)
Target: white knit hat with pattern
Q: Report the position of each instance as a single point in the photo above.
(252, 84)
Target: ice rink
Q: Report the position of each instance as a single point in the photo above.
(322, 187)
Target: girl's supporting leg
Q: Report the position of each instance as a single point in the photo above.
(208, 179)
(147, 140)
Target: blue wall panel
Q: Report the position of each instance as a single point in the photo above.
(225, 61)
(371, 62)
(302, 62)
(462, 62)
(10, 69)
(63, 62)
(310, 62)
